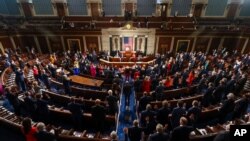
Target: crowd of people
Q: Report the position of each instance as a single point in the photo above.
(220, 77)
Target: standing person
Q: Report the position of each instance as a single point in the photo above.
(28, 130)
(127, 73)
(42, 134)
(190, 78)
(93, 70)
(159, 135)
(194, 113)
(227, 108)
(98, 115)
(162, 114)
(177, 113)
(181, 133)
(146, 84)
(66, 84)
(42, 109)
(76, 110)
(76, 67)
(135, 132)
(13, 100)
(20, 80)
(112, 103)
(45, 79)
(127, 91)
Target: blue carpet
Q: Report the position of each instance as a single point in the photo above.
(121, 117)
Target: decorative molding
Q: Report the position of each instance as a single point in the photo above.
(24, 1)
(94, 1)
(58, 1)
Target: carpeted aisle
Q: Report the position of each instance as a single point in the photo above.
(121, 117)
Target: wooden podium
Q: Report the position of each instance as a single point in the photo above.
(128, 54)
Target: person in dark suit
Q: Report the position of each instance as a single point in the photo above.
(42, 134)
(208, 97)
(112, 103)
(137, 84)
(162, 114)
(194, 113)
(159, 91)
(20, 80)
(117, 80)
(66, 84)
(177, 113)
(13, 100)
(219, 91)
(202, 84)
(181, 133)
(76, 110)
(45, 79)
(176, 81)
(30, 105)
(159, 135)
(98, 115)
(42, 109)
(240, 84)
(127, 91)
(241, 107)
(147, 114)
(144, 100)
(135, 132)
(227, 108)
(230, 86)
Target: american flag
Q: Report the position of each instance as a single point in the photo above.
(128, 43)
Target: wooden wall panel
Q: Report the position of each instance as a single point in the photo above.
(6, 42)
(55, 43)
(92, 43)
(233, 43)
(24, 42)
(201, 44)
(214, 44)
(164, 44)
(43, 44)
(178, 39)
(19, 43)
(78, 38)
(240, 44)
(247, 49)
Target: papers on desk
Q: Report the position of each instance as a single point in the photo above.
(90, 135)
(77, 134)
(202, 131)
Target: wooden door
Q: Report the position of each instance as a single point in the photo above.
(55, 44)
(164, 10)
(27, 9)
(92, 43)
(60, 9)
(198, 10)
(164, 45)
(129, 6)
(94, 9)
(232, 10)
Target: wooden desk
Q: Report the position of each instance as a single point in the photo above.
(86, 81)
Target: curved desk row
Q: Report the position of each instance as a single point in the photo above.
(130, 64)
